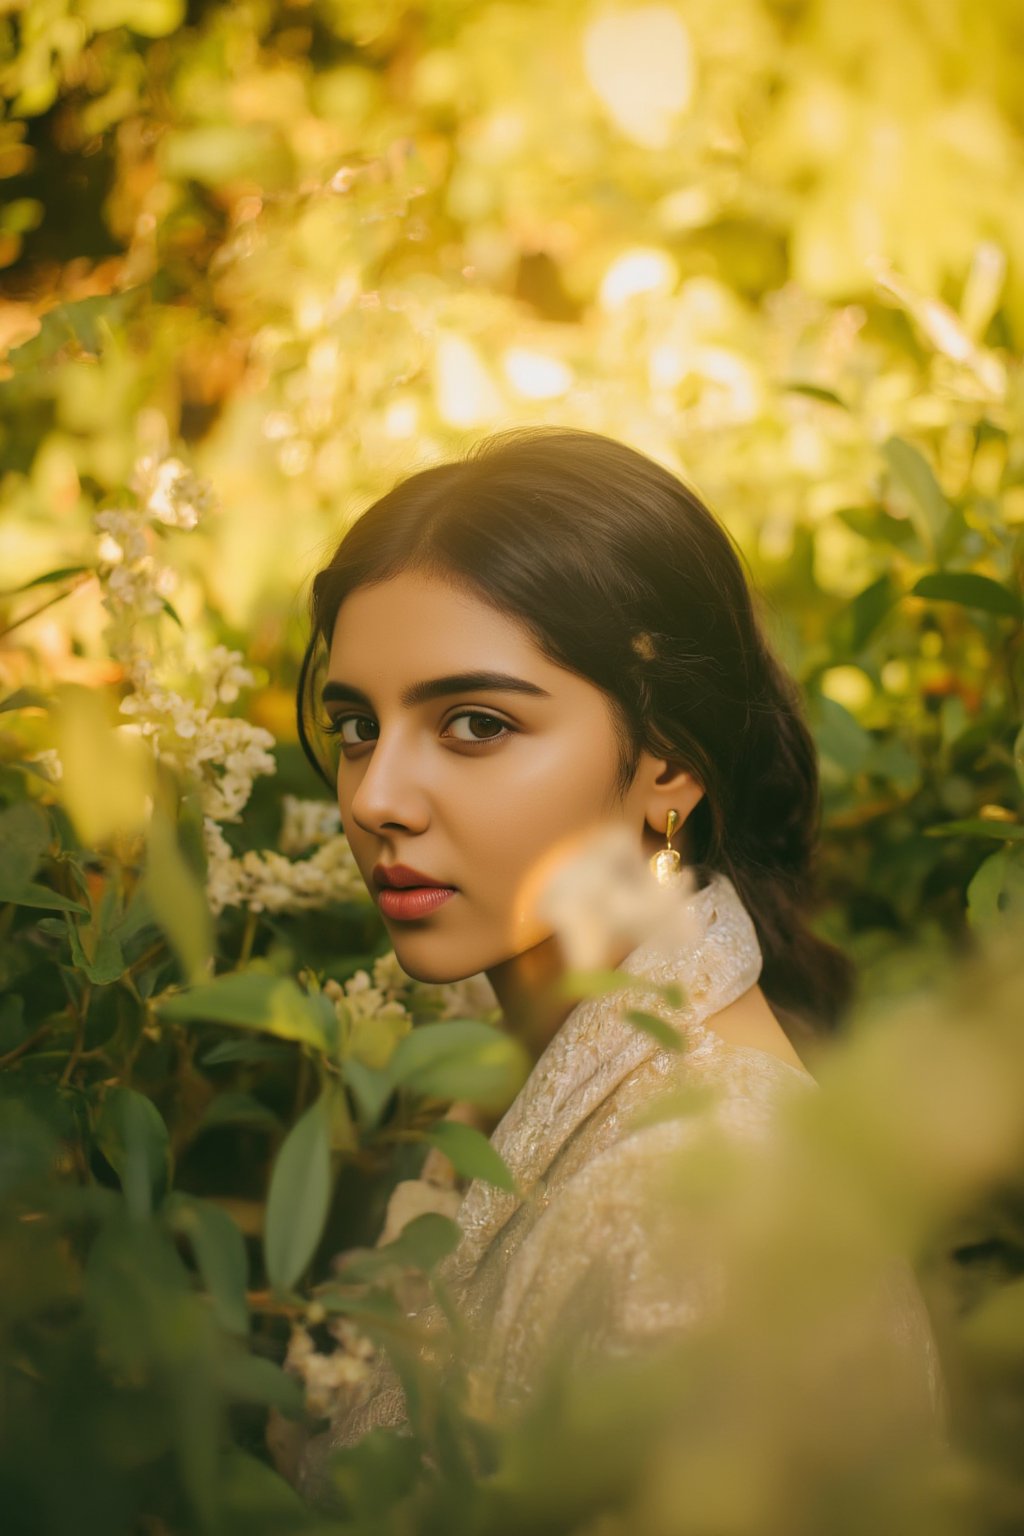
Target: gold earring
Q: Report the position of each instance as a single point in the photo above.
(666, 864)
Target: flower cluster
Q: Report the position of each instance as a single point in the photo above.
(390, 990)
(134, 584)
(323, 1375)
(223, 755)
(307, 824)
(267, 881)
(170, 492)
(374, 1012)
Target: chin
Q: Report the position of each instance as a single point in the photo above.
(431, 969)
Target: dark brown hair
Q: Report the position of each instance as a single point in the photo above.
(623, 576)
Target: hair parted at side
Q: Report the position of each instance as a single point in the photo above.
(624, 576)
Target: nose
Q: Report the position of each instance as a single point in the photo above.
(390, 792)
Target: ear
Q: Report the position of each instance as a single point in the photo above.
(671, 787)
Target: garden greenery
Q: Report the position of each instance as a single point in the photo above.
(258, 259)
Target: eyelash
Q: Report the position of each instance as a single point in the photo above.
(333, 728)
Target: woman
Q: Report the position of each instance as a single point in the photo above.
(550, 636)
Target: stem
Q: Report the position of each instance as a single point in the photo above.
(301, 1086)
(252, 921)
(25, 1045)
(81, 1013)
(146, 957)
(263, 1301)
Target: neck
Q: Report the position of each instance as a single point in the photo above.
(527, 989)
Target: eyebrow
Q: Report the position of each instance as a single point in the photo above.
(439, 688)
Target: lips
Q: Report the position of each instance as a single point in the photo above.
(401, 877)
(404, 892)
(414, 901)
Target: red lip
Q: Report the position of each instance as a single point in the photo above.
(400, 877)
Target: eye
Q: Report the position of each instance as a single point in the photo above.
(338, 724)
(493, 728)
(489, 720)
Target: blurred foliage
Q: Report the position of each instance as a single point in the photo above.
(310, 246)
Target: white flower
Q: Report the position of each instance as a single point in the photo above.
(185, 731)
(123, 538)
(472, 998)
(170, 492)
(49, 762)
(269, 882)
(603, 898)
(324, 1374)
(307, 823)
(225, 677)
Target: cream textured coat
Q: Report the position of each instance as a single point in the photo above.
(571, 1257)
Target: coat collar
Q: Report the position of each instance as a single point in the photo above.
(595, 1048)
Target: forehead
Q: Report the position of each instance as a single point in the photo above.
(416, 624)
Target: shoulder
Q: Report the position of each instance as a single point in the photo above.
(750, 1022)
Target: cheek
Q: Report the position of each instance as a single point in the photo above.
(536, 819)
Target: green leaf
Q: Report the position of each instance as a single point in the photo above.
(33, 895)
(421, 1244)
(1018, 756)
(27, 1147)
(13, 1028)
(213, 153)
(247, 1050)
(840, 736)
(136, 916)
(893, 762)
(373, 1306)
(76, 327)
(238, 1109)
(176, 897)
(299, 1197)
(254, 1499)
(460, 1059)
(978, 826)
(140, 1298)
(996, 893)
(371, 1088)
(425, 1241)
(877, 525)
(909, 466)
(471, 1154)
(857, 623)
(251, 1000)
(107, 963)
(47, 579)
(24, 698)
(816, 392)
(133, 1138)
(969, 590)
(220, 1254)
(594, 983)
(247, 1378)
(24, 838)
(657, 1028)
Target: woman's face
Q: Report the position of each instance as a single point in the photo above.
(474, 784)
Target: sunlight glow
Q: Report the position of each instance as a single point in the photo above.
(644, 269)
(640, 63)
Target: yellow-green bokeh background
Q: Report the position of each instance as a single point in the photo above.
(315, 245)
